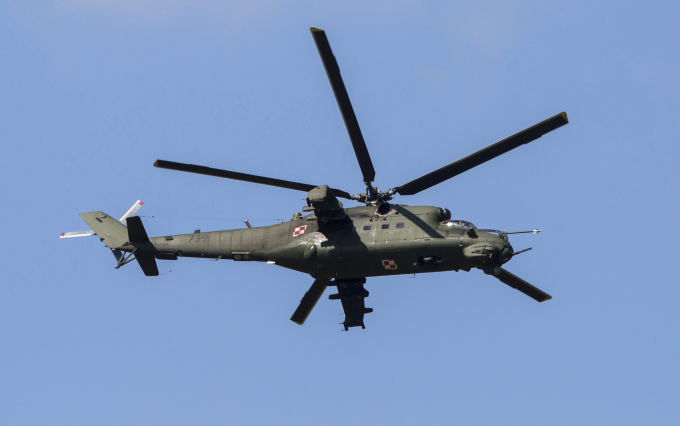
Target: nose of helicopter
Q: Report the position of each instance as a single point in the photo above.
(493, 249)
(499, 252)
(505, 253)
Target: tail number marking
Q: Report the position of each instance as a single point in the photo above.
(197, 238)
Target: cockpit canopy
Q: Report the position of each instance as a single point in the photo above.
(502, 234)
(460, 223)
(469, 225)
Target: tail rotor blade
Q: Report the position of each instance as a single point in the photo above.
(309, 301)
(519, 284)
(133, 210)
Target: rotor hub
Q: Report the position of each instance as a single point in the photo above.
(374, 196)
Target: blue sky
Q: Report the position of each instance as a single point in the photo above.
(92, 93)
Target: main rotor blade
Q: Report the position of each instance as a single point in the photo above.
(483, 155)
(309, 300)
(202, 170)
(519, 284)
(333, 72)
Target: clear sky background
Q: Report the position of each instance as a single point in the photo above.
(93, 92)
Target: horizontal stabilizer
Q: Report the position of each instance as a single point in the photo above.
(113, 233)
(131, 212)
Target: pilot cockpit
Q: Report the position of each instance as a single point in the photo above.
(461, 223)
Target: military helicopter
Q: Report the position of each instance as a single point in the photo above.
(340, 246)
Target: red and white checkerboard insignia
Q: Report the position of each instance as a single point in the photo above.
(389, 264)
(299, 230)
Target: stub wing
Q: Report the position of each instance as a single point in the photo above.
(309, 301)
(351, 294)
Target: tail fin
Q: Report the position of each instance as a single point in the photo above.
(113, 233)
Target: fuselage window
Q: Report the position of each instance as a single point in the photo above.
(367, 228)
(400, 225)
(385, 226)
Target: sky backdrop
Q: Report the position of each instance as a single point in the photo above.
(93, 92)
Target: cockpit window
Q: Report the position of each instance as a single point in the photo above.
(501, 234)
(461, 223)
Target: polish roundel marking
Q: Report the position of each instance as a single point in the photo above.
(389, 264)
(299, 230)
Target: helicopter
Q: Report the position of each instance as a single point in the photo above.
(338, 246)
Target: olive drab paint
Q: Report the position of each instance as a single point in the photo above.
(336, 245)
